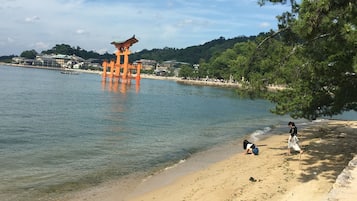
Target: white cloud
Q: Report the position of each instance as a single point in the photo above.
(185, 22)
(265, 24)
(169, 31)
(94, 24)
(81, 31)
(41, 45)
(32, 19)
(102, 51)
(10, 40)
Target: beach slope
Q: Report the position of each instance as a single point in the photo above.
(328, 146)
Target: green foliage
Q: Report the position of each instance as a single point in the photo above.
(313, 54)
(60, 49)
(324, 81)
(29, 54)
(233, 61)
(6, 59)
(193, 54)
(68, 50)
(186, 71)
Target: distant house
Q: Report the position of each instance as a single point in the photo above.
(173, 64)
(168, 67)
(61, 59)
(147, 64)
(66, 61)
(18, 60)
(56, 61)
(22, 61)
(45, 60)
(161, 72)
(93, 63)
(78, 65)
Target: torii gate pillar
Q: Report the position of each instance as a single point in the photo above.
(122, 52)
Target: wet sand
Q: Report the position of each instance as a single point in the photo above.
(328, 148)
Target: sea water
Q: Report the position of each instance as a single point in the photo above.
(60, 132)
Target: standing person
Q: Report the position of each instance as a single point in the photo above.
(293, 139)
(250, 148)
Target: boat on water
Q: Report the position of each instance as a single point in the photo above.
(69, 72)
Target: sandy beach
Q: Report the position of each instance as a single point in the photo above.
(328, 147)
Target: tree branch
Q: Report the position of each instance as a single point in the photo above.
(272, 36)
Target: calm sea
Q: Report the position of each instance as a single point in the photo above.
(60, 133)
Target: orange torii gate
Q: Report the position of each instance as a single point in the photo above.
(116, 67)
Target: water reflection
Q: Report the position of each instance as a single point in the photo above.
(120, 85)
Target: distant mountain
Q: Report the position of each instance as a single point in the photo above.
(193, 54)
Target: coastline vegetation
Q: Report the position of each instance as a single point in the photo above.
(313, 54)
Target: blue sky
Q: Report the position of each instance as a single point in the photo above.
(94, 24)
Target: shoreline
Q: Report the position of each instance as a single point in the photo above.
(49, 68)
(235, 85)
(324, 158)
(131, 185)
(278, 176)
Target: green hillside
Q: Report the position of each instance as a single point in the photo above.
(193, 54)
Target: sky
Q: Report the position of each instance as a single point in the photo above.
(94, 24)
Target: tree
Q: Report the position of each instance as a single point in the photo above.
(29, 54)
(6, 59)
(60, 49)
(186, 71)
(325, 82)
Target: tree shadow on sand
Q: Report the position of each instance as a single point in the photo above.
(328, 152)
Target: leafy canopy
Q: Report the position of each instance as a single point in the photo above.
(313, 54)
(322, 55)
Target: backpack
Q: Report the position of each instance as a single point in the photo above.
(255, 151)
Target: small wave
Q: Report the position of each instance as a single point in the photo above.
(258, 133)
(319, 120)
(175, 165)
(165, 169)
(308, 123)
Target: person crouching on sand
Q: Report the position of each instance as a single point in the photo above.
(250, 148)
(293, 141)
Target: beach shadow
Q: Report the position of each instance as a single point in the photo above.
(262, 145)
(328, 152)
(284, 142)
